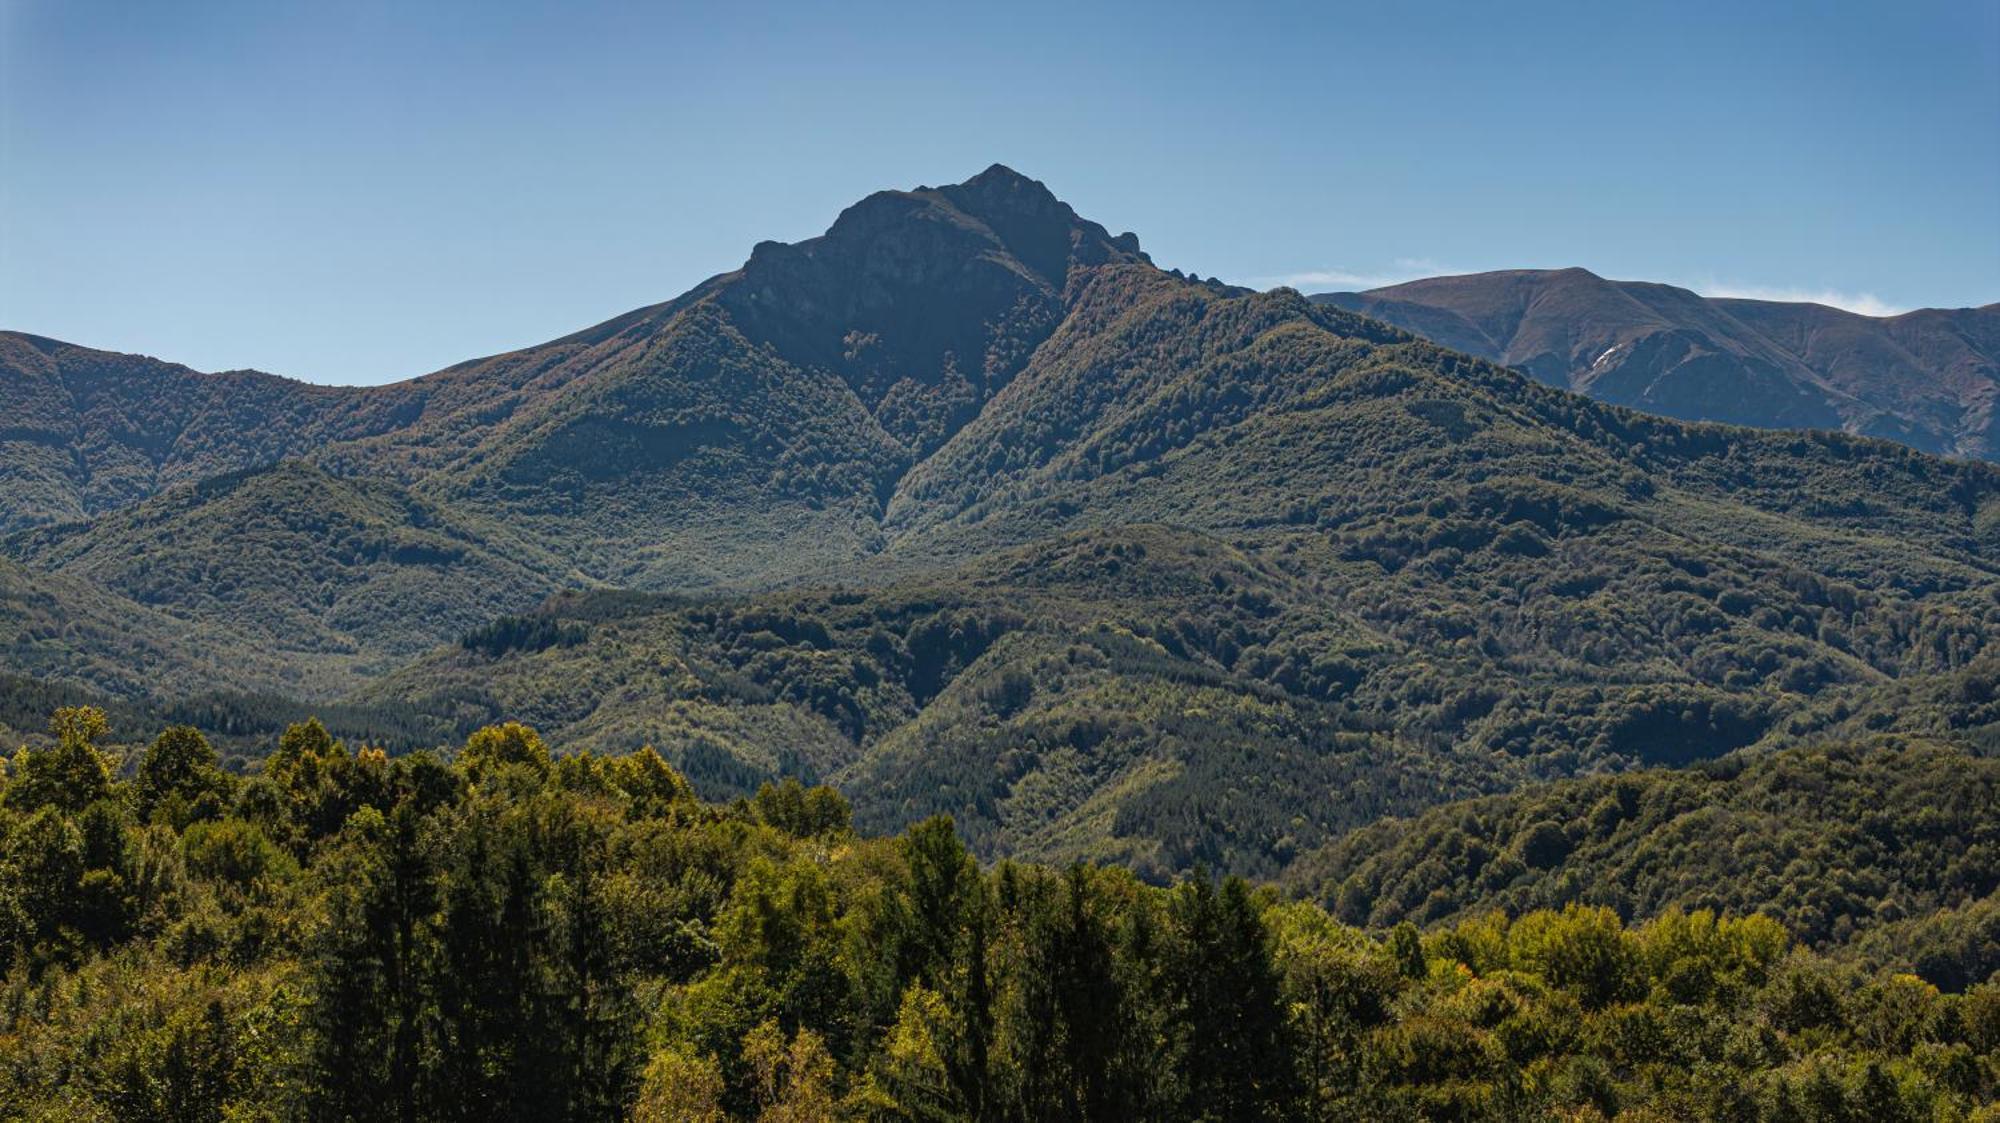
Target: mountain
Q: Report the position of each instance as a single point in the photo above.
(1926, 378)
(666, 448)
(1462, 578)
(969, 507)
(93, 431)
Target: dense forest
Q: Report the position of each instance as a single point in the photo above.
(1884, 846)
(502, 932)
(984, 676)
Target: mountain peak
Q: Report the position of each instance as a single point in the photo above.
(1000, 190)
(1003, 176)
(926, 301)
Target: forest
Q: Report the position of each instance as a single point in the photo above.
(952, 668)
(501, 931)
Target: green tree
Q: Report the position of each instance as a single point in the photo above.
(371, 970)
(495, 748)
(598, 1049)
(1584, 950)
(1226, 996)
(70, 776)
(41, 874)
(180, 770)
(1406, 947)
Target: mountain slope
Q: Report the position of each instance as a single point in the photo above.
(321, 579)
(1164, 399)
(992, 516)
(781, 403)
(1072, 698)
(1926, 378)
(61, 629)
(91, 431)
(1829, 840)
(1164, 698)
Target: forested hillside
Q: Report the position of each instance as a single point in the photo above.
(966, 507)
(72, 633)
(322, 581)
(92, 431)
(522, 934)
(1077, 698)
(1165, 700)
(1896, 837)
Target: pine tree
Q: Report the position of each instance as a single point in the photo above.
(1226, 994)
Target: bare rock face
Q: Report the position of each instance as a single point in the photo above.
(925, 302)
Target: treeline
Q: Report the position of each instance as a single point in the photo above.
(1833, 841)
(243, 726)
(509, 934)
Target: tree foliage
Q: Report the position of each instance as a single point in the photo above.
(513, 934)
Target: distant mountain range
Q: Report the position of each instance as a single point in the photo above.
(1927, 378)
(968, 506)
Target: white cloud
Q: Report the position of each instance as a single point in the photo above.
(1864, 303)
(1336, 277)
(1340, 278)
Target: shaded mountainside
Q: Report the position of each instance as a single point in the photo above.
(1926, 378)
(987, 514)
(1831, 842)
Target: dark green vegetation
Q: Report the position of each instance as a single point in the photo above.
(327, 580)
(966, 507)
(1901, 839)
(1925, 378)
(1150, 696)
(67, 631)
(514, 935)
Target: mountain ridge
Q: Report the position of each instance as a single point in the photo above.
(1926, 378)
(852, 510)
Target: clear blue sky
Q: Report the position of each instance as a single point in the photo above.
(354, 192)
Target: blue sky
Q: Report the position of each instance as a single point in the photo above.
(357, 192)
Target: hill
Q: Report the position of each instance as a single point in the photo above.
(92, 431)
(319, 580)
(1147, 695)
(1926, 378)
(62, 629)
(983, 512)
(1833, 841)
(1165, 699)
